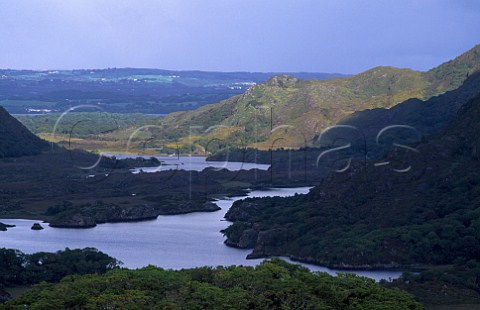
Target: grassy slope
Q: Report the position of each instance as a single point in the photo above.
(92, 131)
(312, 105)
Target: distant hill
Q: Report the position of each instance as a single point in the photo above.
(16, 140)
(124, 90)
(459, 77)
(306, 107)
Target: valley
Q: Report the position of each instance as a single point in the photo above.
(93, 167)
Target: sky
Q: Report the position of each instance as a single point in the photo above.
(236, 35)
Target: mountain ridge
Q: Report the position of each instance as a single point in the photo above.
(372, 217)
(308, 106)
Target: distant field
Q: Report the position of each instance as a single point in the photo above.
(85, 124)
(22, 106)
(93, 131)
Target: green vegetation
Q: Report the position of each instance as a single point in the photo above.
(17, 268)
(444, 285)
(271, 285)
(302, 109)
(373, 217)
(85, 124)
(426, 117)
(92, 131)
(451, 74)
(101, 190)
(309, 106)
(368, 217)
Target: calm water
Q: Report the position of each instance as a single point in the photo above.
(192, 163)
(175, 241)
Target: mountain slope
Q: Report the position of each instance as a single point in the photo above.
(427, 117)
(451, 74)
(308, 106)
(15, 139)
(371, 216)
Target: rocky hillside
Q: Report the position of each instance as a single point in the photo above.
(16, 140)
(375, 216)
(308, 106)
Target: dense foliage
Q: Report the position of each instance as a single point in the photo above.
(17, 268)
(457, 284)
(272, 285)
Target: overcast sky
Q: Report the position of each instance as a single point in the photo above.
(236, 35)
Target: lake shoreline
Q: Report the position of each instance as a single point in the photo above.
(207, 245)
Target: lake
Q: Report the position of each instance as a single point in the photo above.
(191, 163)
(174, 241)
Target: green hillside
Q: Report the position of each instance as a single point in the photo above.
(451, 74)
(372, 216)
(84, 124)
(308, 106)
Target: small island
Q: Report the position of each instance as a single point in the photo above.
(4, 227)
(89, 215)
(36, 226)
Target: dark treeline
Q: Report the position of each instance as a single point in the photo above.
(18, 268)
(271, 285)
(447, 285)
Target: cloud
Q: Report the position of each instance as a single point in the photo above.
(332, 36)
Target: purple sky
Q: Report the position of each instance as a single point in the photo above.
(235, 35)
